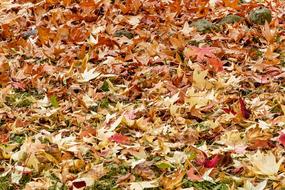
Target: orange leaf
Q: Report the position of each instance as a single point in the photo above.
(231, 3)
(66, 2)
(173, 181)
(78, 34)
(178, 43)
(4, 138)
(44, 34)
(88, 131)
(135, 4)
(216, 63)
(267, 33)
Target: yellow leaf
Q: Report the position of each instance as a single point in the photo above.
(199, 80)
(33, 162)
(49, 157)
(173, 181)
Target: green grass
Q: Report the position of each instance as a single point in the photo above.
(204, 185)
(108, 182)
(5, 183)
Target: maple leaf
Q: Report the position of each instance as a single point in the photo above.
(245, 112)
(119, 138)
(199, 80)
(213, 162)
(89, 75)
(88, 131)
(178, 43)
(267, 33)
(19, 85)
(281, 139)
(249, 186)
(265, 163)
(216, 63)
(173, 181)
(231, 3)
(204, 54)
(201, 54)
(192, 176)
(144, 185)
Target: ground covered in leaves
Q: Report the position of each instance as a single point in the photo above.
(131, 94)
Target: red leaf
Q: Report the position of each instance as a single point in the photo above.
(79, 184)
(229, 110)
(119, 138)
(211, 163)
(281, 139)
(245, 112)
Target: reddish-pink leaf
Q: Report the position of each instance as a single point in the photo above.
(201, 53)
(281, 139)
(192, 176)
(245, 112)
(213, 162)
(19, 85)
(119, 138)
(206, 54)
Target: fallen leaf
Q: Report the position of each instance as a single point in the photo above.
(213, 162)
(143, 185)
(119, 138)
(265, 163)
(89, 75)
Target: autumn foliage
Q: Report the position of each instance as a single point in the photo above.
(139, 94)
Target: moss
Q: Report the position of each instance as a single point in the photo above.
(260, 16)
(17, 138)
(120, 33)
(20, 99)
(24, 180)
(105, 86)
(105, 103)
(230, 19)
(203, 25)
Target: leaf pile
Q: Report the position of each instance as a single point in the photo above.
(131, 94)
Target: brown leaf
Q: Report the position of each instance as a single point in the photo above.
(173, 181)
